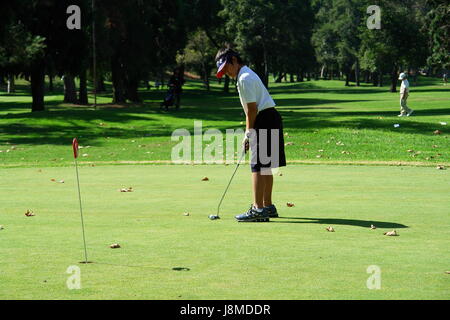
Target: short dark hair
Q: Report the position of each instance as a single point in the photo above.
(228, 54)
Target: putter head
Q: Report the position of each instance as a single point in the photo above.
(213, 217)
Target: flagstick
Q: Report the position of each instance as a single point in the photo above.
(81, 207)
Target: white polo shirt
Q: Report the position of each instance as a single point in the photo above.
(251, 89)
(405, 86)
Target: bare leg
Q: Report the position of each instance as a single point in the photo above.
(262, 189)
(258, 190)
(267, 198)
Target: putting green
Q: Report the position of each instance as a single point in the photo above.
(293, 257)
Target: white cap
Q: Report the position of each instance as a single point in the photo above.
(402, 76)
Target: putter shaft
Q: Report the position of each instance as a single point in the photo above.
(229, 183)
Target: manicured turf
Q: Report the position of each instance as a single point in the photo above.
(290, 258)
(325, 121)
(293, 257)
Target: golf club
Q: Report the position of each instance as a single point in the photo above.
(75, 155)
(217, 217)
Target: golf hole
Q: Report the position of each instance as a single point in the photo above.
(180, 269)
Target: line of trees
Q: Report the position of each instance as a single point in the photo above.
(138, 40)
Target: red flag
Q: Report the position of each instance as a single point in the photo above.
(75, 148)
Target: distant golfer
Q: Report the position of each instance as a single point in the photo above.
(445, 78)
(264, 133)
(404, 94)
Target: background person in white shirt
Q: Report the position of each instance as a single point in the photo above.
(404, 94)
(264, 133)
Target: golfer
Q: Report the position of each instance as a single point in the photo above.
(404, 94)
(264, 133)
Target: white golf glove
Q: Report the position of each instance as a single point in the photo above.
(246, 141)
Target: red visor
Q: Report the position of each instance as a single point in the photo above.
(220, 66)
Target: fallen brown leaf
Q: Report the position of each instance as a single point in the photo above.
(130, 189)
(437, 132)
(114, 246)
(440, 168)
(1, 228)
(29, 213)
(186, 214)
(392, 233)
(53, 180)
(289, 144)
(290, 204)
(330, 229)
(205, 179)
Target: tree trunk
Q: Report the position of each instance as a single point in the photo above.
(37, 79)
(347, 79)
(358, 83)
(367, 77)
(100, 85)
(70, 91)
(279, 78)
(394, 79)
(205, 76)
(118, 83)
(11, 84)
(308, 76)
(322, 71)
(83, 95)
(50, 83)
(316, 76)
(291, 78)
(375, 79)
(132, 91)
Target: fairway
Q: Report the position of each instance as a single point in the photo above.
(325, 122)
(292, 257)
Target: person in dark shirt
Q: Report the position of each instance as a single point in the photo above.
(176, 84)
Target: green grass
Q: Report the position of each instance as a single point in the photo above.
(290, 258)
(327, 123)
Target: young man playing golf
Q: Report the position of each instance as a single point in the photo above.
(404, 94)
(264, 133)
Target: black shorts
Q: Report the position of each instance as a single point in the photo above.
(268, 149)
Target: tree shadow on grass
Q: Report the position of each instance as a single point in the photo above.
(347, 222)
